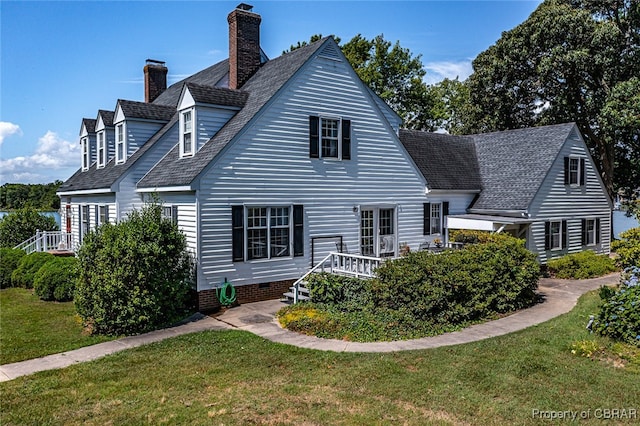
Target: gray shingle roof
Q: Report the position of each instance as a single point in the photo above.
(107, 117)
(207, 77)
(133, 109)
(265, 83)
(514, 163)
(105, 177)
(89, 124)
(217, 95)
(447, 162)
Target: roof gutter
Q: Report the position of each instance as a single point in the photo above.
(85, 192)
(185, 188)
(515, 213)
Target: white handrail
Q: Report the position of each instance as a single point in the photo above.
(47, 240)
(344, 263)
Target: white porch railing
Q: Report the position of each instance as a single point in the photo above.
(352, 265)
(47, 240)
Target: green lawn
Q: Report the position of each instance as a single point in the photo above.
(234, 377)
(32, 328)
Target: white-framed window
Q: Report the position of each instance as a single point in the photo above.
(436, 218)
(171, 213)
(103, 214)
(84, 220)
(590, 232)
(330, 138)
(121, 144)
(102, 149)
(187, 142)
(268, 232)
(555, 235)
(86, 159)
(574, 171)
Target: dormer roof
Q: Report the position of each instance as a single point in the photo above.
(211, 95)
(88, 126)
(143, 111)
(104, 119)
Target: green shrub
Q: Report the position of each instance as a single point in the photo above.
(55, 280)
(9, 259)
(628, 248)
(21, 225)
(28, 267)
(619, 317)
(469, 236)
(420, 294)
(134, 276)
(461, 285)
(582, 265)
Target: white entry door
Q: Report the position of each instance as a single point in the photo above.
(378, 232)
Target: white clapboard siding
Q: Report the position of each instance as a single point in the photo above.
(557, 201)
(138, 133)
(127, 197)
(270, 165)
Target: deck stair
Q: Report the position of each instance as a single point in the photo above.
(352, 265)
(47, 241)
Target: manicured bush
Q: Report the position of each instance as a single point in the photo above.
(420, 294)
(619, 317)
(28, 267)
(469, 236)
(55, 280)
(21, 225)
(582, 265)
(9, 259)
(134, 276)
(628, 248)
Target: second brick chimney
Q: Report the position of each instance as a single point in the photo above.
(155, 79)
(244, 45)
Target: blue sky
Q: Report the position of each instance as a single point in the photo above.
(63, 60)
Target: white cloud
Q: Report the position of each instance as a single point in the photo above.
(438, 71)
(7, 129)
(52, 153)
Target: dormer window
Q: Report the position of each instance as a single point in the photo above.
(187, 145)
(84, 145)
(102, 151)
(121, 147)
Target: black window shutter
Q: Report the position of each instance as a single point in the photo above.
(346, 139)
(314, 136)
(298, 230)
(96, 211)
(237, 227)
(565, 243)
(582, 170)
(598, 230)
(547, 235)
(566, 170)
(106, 213)
(584, 232)
(427, 219)
(174, 214)
(445, 208)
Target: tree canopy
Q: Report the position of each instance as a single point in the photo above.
(41, 196)
(571, 60)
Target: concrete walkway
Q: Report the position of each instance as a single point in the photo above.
(560, 296)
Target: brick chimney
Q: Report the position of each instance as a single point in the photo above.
(155, 79)
(244, 45)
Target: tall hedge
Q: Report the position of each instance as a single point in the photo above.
(134, 276)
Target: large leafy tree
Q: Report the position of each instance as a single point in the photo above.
(393, 73)
(571, 60)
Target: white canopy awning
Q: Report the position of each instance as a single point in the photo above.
(481, 222)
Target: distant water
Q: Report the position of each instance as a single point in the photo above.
(55, 215)
(622, 223)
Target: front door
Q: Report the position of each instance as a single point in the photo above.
(377, 232)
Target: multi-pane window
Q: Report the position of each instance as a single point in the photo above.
(84, 144)
(329, 138)
(171, 213)
(436, 218)
(187, 133)
(555, 235)
(279, 231)
(120, 144)
(574, 171)
(590, 234)
(366, 233)
(84, 216)
(103, 214)
(268, 232)
(102, 151)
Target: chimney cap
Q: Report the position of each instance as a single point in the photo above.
(244, 6)
(155, 62)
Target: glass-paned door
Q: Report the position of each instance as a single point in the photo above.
(377, 232)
